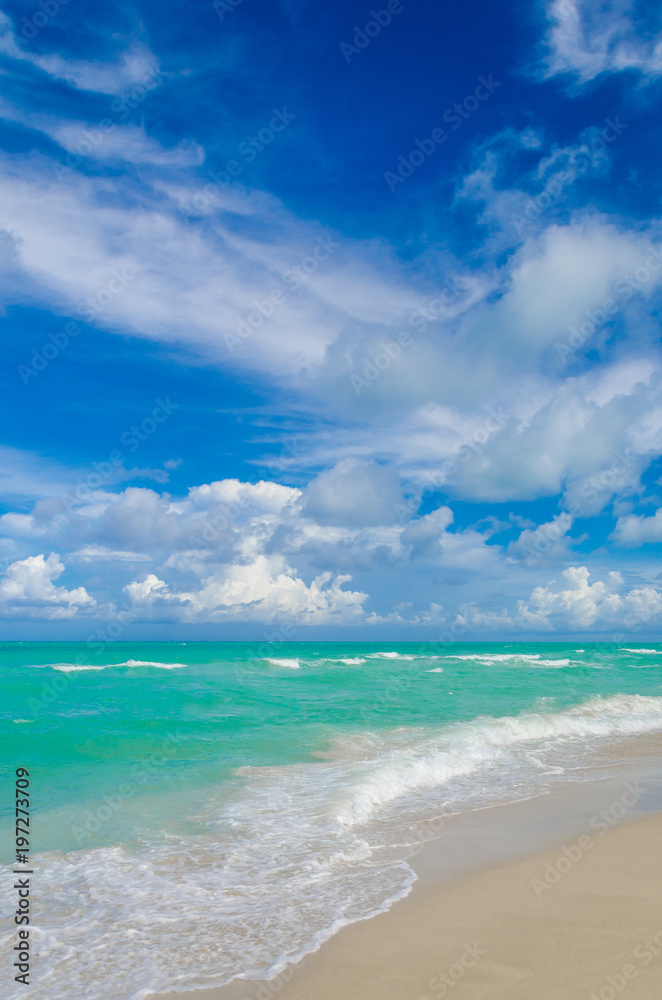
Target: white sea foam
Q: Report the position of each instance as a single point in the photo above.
(656, 652)
(347, 661)
(298, 852)
(148, 663)
(467, 747)
(495, 657)
(435, 670)
(68, 668)
(534, 659)
(390, 656)
(553, 663)
(292, 664)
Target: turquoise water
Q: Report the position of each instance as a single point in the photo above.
(230, 805)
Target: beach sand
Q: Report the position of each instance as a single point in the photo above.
(578, 923)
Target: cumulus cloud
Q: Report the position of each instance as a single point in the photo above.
(558, 275)
(562, 423)
(590, 441)
(633, 530)
(573, 602)
(548, 541)
(148, 590)
(422, 534)
(577, 602)
(354, 493)
(229, 549)
(429, 538)
(27, 590)
(265, 590)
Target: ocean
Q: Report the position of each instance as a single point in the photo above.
(204, 810)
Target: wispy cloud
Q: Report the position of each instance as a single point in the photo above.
(587, 38)
(131, 66)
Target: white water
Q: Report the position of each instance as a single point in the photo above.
(298, 851)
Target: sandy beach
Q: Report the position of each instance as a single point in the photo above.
(577, 921)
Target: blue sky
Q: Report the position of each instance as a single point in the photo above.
(331, 318)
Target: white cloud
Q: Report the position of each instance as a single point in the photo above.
(471, 616)
(546, 541)
(26, 475)
(230, 551)
(577, 602)
(557, 429)
(265, 590)
(585, 441)
(100, 553)
(589, 37)
(133, 66)
(429, 538)
(425, 532)
(228, 548)
(148, 590)
(570, 604)
(27, 590)
(555, 277)
(633, 529)
(354, 493)
(135, 264)
(112, 143)
(545, 192)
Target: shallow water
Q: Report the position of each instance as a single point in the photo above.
(209, 809)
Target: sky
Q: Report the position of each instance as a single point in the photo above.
(336, 318)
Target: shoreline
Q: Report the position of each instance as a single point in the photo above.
(478, 874)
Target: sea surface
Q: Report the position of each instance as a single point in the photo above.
(208, 810)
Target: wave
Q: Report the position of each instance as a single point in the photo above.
(495, 657)
(148, 663)
(467, 747)
(657, 652)
(533, 658)
(435, 670)
(350, 823)
(180, 922)
(347, 661)
(295, 663)
(391, 656)
(68, 668)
